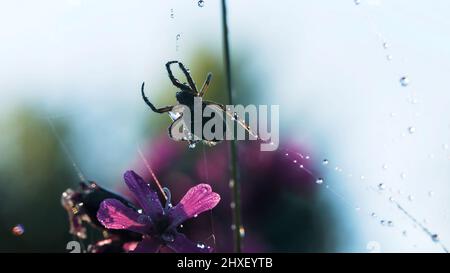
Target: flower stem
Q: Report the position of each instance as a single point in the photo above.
(234, 179)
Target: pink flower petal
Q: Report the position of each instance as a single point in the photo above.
(113, 214)
(146, 197)
(198, 199)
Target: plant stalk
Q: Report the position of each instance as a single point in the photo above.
(235, 186)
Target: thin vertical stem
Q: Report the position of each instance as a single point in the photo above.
(234, 179)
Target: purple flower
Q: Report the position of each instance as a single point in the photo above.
(156, 223)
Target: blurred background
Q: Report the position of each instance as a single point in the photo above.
(362, 94)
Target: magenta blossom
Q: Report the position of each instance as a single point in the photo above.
(156, 223)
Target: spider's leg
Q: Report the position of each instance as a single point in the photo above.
(154, 109)
(178, 119)
(212, 103)
(233, 116)
(188, 77)
(205, 85)
(174, 80)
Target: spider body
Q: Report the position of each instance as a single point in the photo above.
(186, 95)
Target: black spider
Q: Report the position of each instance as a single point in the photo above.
(185, 96)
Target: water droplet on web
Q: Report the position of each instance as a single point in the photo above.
(386, 45)
(18, 230)
(232, 205)
(390, 223)
(242, 232)
(381, 186)
(403, 175)
(192, 145)
(389, 57)
(410, 197)
(201, 245)
(405, 233)
(404, 81)
(325, 162)
(201, 3)
(319, 181)
(357, 2)
(382, 222)
(295, 161)
(435, 238)
(411, 129)
(385, 166)
(445, 146)
(195, 215)
(172, 15)
(430, 193)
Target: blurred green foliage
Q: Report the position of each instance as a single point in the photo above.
(33, 174)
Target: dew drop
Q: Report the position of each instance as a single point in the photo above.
(381, 186)
(385, 166)
(201, 245)
(430, 193)
(231, 183)
(404, 81)
(18, 230)
(172, 15)
(201, 3)
(389, 57)
(445, 146)
(411, 129)
(232, 205)
(357, 2)
(410, 197)
(390, 223)
(373, 214)
(386, 45)
(295, 161)
(319, 181)
(242, 232)
(178, 37)
(325, 162)
(192, 145)
(435, 238)
(403, 176)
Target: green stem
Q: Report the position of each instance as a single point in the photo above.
(234, 179)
